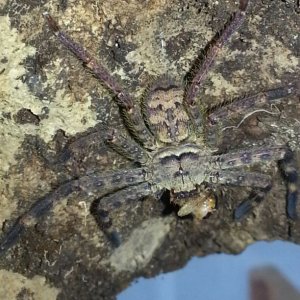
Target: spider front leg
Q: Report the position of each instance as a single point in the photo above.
(247, 205)
(287, 163)
(132, 116)
(288, 168)
(290, 173)
(201, 74)
(237, 178)
(38, 209)
(249, 157)
(127, 198)
(261, 182)
(93, 186)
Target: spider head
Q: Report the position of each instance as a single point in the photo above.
(165, 114)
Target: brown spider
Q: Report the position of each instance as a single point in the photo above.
(168, 145)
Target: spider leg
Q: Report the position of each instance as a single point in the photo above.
(97, 185)
(94, 185)
(288, 167)
(198, 80)
(249, 204)
(239, 178)
(38, 209)
(133, 117)
(249, 157)
(249, 104)
(127, 198)
(261, 182)
(136, 125)
(126, 147)
(98, 70)
(282, 154)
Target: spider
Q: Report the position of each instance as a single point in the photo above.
(170, 145)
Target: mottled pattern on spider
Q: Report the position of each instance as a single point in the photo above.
(168, 143)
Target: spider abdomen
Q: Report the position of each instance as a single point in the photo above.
(165, 113)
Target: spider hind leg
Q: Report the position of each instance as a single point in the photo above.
(126, 147)
(248, 105)
(125, 101)
(212, 53)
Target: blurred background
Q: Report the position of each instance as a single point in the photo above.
(264, 271)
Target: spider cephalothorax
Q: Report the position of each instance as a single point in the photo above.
(166, 140)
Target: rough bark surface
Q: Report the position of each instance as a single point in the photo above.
(48, 100)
